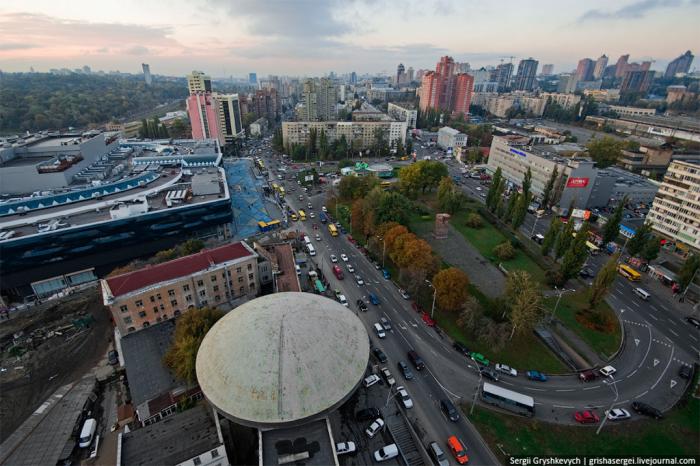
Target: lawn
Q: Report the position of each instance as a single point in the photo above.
(677, 434)
(605, 339)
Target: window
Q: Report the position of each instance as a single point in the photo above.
(165, 316)
(153, 299)
(139, 303)
(186, 288)
(155, 309)
(213, 278)
(202, 293)
(216, 287)
(200, 283)
(162, 307)
(131, 329)
(127, 320)
(142, 314)
(188, 298)
(146, 324)
(250, 276)
(240, 279)
(158, 296)
(123, 308)
(215, 453)
(217, 298)
(177, 313)
(238, 270)
(173, 302)
(204, 302)
(250, 266)
(242, 290)
(197, 461)
(171, 292)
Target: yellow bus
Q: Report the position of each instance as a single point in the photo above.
(302, 215)
(332, 229)
(629, 273)
(592, 248)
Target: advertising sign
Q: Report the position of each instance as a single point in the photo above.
(577, 183)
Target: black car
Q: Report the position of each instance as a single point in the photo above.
(489, 373)
(693, 321)
(361, 305)
(685, 372)
(379, 354)
(646, 410)
(368, 414)
(586, 273)
(113, 358)
(449, 409)
(416, 360)
(461, 348)
(405, 370)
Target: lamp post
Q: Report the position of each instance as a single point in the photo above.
(432, 310)
(617, 395)
(561, 292)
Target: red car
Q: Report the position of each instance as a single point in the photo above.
(351, 239)
(586, 417)
(428, 320)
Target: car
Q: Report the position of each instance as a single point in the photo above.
(479, 358)
(461, 348)
(344, 257)
(379, 354)
(693, 321)
(350, 268)
(359, 280)
(361, 305)
(458, 449)
(388, 377)
(309, 205)
(323, 209)
(376, 265)
(685, 372)
(345, 448)
(387, 452)
(489, 373)
(416, 360)
(449, 409)
(367, 414)
(312, 215)
(405, 398)
(380, 330)
(607, 371)
(113, 358)
(586, 273)
(371, 380)
(586, 417)
(617, 414)
(386, 274)
(385, 323)
(587, 376)
(404, 294)
(333, 258)
(478, 188)
(536, 375)
(375, 427)
(342, 300)
(373, 299)
(437, 454)
(506, 370)
(427, 320)
(318, 237)
(405, 370)
(646, 410)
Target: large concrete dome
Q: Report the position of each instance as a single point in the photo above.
(282, 359)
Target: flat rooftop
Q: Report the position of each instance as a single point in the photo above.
(312, 439)
(53, 141)
(23, 160)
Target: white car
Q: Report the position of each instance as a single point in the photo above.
(312, 215)
(344, 257)
(371, 380)
(387, 452)
(388, 377)
(405, 399)
(404, 294)
(344, 448)
(478, 188)
(617, 414)
(375, 427)
(342, 300)
(318, 237)
(506, 370)
(333, 258)
(359, 280)
(607, 371)
(351, 269)
(323, 208)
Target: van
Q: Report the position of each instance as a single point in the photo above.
(642, 293)
(88, 432)
(380, 330)
(311, 249)
(307, 240)
(458, 449)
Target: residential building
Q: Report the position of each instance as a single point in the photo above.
(389, 94)
(204, 118)
(599, 67)
(495, 104)
(652, 126)
(628, 111)
(675, 213)
(548, 69)
(280, 257)
(410, 74)
(636, 81)
(584, 70)
(147, 73)
(504, 73)
(400, 75)
(258, 127)
(253, 79)
(532, 104)
(462, 93)
(198, 82)
(650, 159)
(524, 80)
(361, 133)
(445, 89)
(353, 78)
(621, 66)
(603, 95)
(213, 277)
(565, 100)
(229, 117)
(266, 103)
(403, 112)
(319, 99)
(678, 94)
(566, 84)
(449, 138)
(680, 65)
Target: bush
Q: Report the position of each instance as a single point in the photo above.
(555, 277)
(474, 221)
(504, 251)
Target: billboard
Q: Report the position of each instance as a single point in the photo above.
(577, 182)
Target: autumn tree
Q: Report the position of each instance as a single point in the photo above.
(470, 315)
(504, 251)
(357, 218)
(524, 301)
(474, 220)
(410, 179)
(392, 234)
(603, 281)
(190, 329)
(450, 288)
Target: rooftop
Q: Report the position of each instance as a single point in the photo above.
(447, 129)
(312, 438)
(297, 357)
(182, 267)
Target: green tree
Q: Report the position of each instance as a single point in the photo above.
(651, 248)
(324, 149)
(512, 202)
(143, 132)
(393, 207)
(409, 146)
(605, 151)
(450, 199)
(277, 142)
(636, 244)
(612, 227)
(548, 188)
(520, 210)
(688, 270)
(551, 236)
(400, 150)
(492, 195)
(191, 246)
(190, 329)
(603, 281)
(577, 253)
(564, 239)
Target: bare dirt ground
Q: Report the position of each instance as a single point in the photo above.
(47, 361)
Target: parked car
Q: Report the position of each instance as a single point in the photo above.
(387, 452)
(367, 414)
(405, 399)
(449, 409)
(345, 448)
(385, 323)
(437, 454)
(361, 305)
(113, 358)
(607, 371)
(404, 295)
(405, 370)
(587, 376)
(344, 257)
(351, 269)
(388, 377)
(416, 360)
(506, 370)
(386, 274)
(333, 258)
(536, 375)
(461, 348)
(586, 417)
(380, 330)
(479, 358)
(458, 449)
(693, 321)
(373, 299)
(371, 380)
(375, 427)
(379, 354)
(489, 373)
(617, 414)
(646, 410)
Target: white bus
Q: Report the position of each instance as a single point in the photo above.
(508, 399)
(312, 251)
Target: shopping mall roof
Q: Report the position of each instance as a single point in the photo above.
(283, 359)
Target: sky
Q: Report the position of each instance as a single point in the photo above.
(313, 37)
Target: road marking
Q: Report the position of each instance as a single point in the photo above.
(654, 307)
(693, 337)
(695, 349)
(665, 368)
(635, 303)
(673, 383)
(507, 383)
(641, 394)
(648, 348)
(563, 406)
(618, 292)
(656, 362)
(672, 321)
(653, 317)
(671, 330)
(591, 388)
(631, 374)
(535, 389)
(636, 341)
(565, 390)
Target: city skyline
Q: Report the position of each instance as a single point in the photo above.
(307, 37)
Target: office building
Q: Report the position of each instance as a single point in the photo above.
(599, 67)
(147, 73)
(445, 89)
(524, 80)
(403, 112)
(675, 213)
(449, 138)
(353, 78)
(678, 65)
(222, 276)
(400, 75)
(504, 73)
(361, 133)
(621, 66)
(637, 81)
(198, 83)
(584, 70)
(547, 70)
(253, 79)
(230, 120)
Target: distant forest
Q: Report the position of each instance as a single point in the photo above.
(38, 101)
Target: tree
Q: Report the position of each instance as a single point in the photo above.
(393, 207)
(577, 254)
(492, 196)
(564, 239)
(400, 150)
(551, 236)
(450, 288)
(512, 202)
(470, 315)
(605, 151)
(190, 330)
(524, 301)
(504, 251)
(688, 270)
(450, 199)
(474, 220)
(392, 234)
(277, 141)
(409, 146)
(612, 227)
(651, 248)
(191, 246)
(548, 188)
(636, 244)
(323, 149)
(410, 179)
(520, 209)
(603, 281)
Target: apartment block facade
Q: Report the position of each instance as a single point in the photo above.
(445, 89)
(198, 82)
(216, 277)
(403, 112)
(215, 116)
(297, 132)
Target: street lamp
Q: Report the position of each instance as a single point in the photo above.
(613, 387)
(476, 392)
(390, 396)
(561, 292)
(432, 310)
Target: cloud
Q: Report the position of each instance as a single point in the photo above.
(137, 50)
(17, 46)
(634, 10)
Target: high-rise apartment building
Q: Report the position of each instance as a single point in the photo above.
(525, 78)
(147, 73)
(675, 213)
(621, 66)
(636, 81)
(464, 84)
(353, 78)
(266, 103)
(446, 89)
(599, 68)
(400, 75)
(548, 69)
(359, 134)
(319, 100)
(679, 65)
(253, 79)
(410, 74)
(584, 70)
(198, 82)
(504, 73)
(215, 116)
